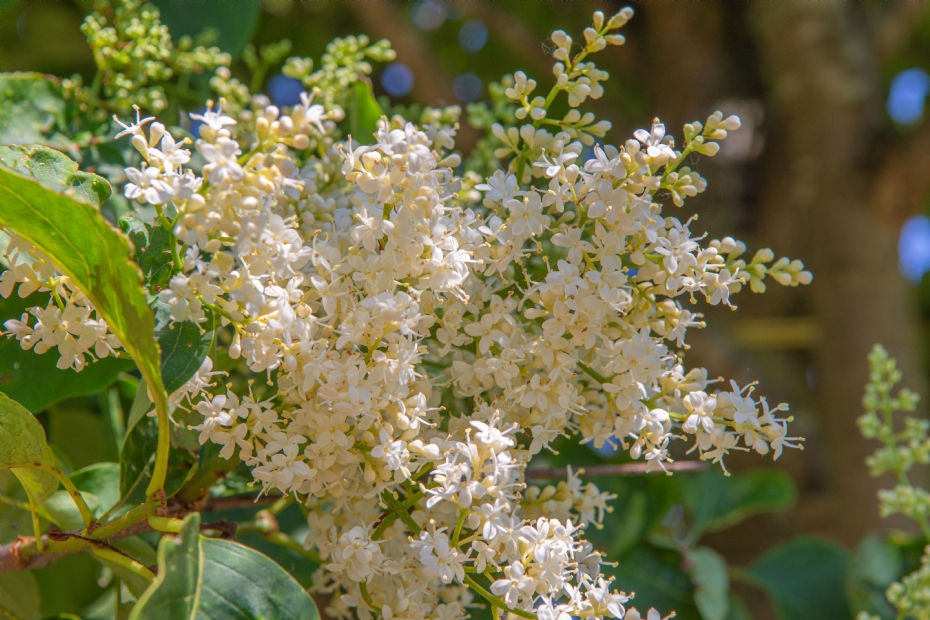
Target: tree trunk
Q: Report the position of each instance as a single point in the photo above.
(827, 98)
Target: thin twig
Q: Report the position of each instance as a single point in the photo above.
(625, 469)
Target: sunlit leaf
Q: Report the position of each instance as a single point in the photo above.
(96, 258)
(56, 170)
(364, 113)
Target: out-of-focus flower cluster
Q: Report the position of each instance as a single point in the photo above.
(135, 55)
(428, 332)
(903, 446)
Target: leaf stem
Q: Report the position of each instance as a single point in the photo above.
(124, 561)
(401, 512)
(166, 524)
(35, 521)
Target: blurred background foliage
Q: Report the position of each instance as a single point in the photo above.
(832, 165)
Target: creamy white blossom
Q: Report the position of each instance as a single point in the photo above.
(376, 284)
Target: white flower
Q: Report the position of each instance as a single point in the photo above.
(222, 157)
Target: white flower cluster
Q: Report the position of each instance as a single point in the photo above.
(425, 346)
(68, 321)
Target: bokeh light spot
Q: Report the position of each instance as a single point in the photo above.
(914, 248)
(907, 95)
(467, 87)
(473, 35)
(428, 15)
(284, 90)
(397, 79)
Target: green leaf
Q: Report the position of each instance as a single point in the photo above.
(56, 170)
(205, 578)
(101, 480)
(19, 595)
(656, 577)
(876, 563)
(708, 572)
(96, 258)
(717, 502)
(20, 369)
(153, 249)
(137, 459)
(233, 26)
(81, 434)
(22, 440)
(805, 579)
(630, 526)
(184, 346)
(738, 609)
(364, 113)
(31, 108)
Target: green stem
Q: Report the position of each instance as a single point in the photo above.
(385, 524)
(36, 528)
(594, 374)
(124, 561)
(401, 512)
(496, 600)
(363, 588)
(160, 472)
(221, 312)
(168, 225)
(458, 528)
(75, 544)
(166, 524)
(283, 540)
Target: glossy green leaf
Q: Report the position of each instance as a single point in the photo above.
(364, 113)
(96, 258)
(137, 459)
(153, 249)
(804, 578)
(717, 502)
(19, 595)
(22, 440)
(708, 572)
(211, 579)
(31, 108)
(20, 369)
(233, 26)
(56, 170)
